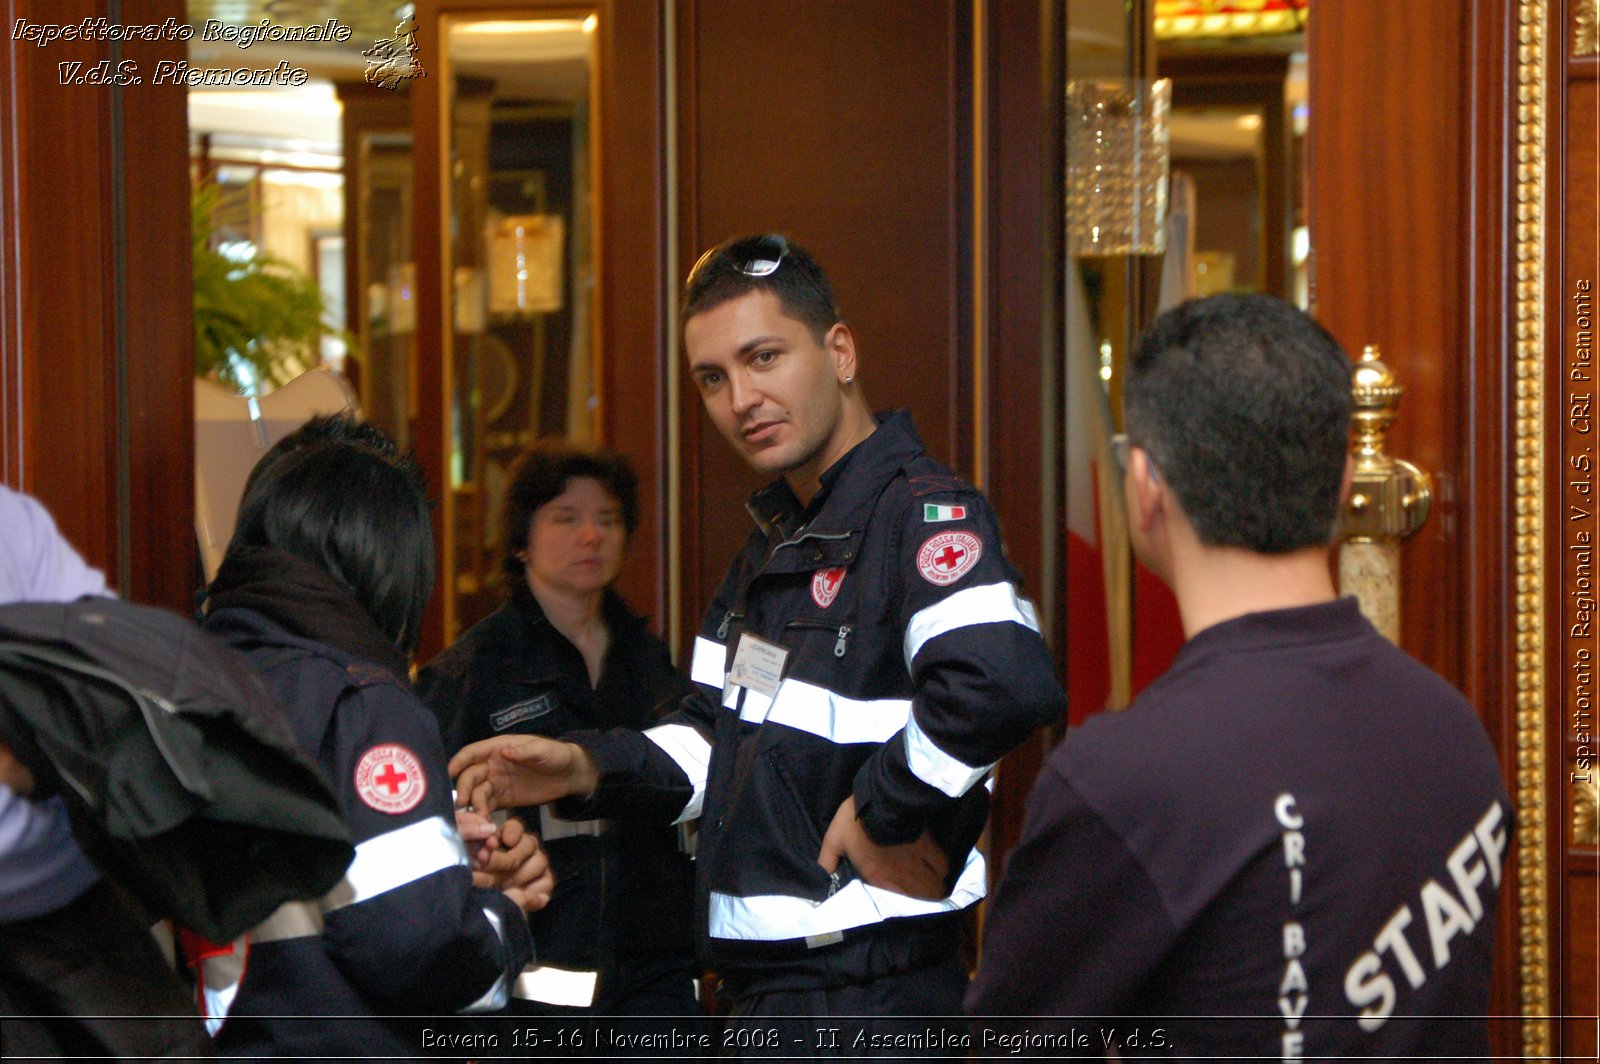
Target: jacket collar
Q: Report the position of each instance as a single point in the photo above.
(618, 617)
(303, 600)
(850, 487)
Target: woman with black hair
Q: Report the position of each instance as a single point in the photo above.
(323, 588)
(566, 654)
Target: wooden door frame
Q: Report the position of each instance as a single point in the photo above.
(96, 300)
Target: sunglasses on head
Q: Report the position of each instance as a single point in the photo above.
(754, 256)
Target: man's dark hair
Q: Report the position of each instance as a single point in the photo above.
(322, 429)
(543, 472)
(799, 283)
(1243, 404)
(351, 504)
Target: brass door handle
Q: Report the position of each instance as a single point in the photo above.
(1389, 497)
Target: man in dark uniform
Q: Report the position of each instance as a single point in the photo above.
(866, 661)
(1291, 844)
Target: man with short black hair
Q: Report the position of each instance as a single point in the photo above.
(866, 661)
(1291, 843)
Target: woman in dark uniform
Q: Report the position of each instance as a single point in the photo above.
(565, 654)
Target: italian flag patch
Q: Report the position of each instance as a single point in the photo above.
(934, 512)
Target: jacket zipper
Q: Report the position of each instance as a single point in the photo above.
(844, 631)
(841, 630)
(802, 537)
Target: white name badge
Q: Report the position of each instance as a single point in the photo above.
(758, 665)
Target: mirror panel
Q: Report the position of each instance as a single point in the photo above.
(519, 256)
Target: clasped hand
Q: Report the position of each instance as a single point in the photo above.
(507, 858)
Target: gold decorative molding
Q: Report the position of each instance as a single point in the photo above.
(1586, 811)
(1533, 898)
(1586, 28)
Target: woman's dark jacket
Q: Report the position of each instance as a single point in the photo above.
(627, 891)
(406, 934)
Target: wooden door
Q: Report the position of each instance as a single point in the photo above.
(1451, 170)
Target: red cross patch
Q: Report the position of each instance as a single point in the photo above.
(825, 584)
(945, 558)
(389, 778)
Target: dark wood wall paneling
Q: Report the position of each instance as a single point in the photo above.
(431, 424)
(842, 125)
(159, 322)
(1577, 293)
(12, 231)
(635, 291)
(96, 287)
(1026, 161)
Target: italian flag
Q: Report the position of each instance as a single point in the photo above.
(933, 512)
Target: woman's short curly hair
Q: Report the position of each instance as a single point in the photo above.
(543, 472)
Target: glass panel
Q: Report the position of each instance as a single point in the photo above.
(519, 303)
(387, 277)
(1221, 150)
(1100, 302)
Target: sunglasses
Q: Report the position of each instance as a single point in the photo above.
(754, 256)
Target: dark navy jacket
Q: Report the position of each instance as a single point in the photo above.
(912, 665)
(626, 889)
(406, 933)
(1290, 845)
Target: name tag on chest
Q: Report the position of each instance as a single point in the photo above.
(758, 665)
(538, 706)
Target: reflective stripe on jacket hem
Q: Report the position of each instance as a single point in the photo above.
(557, 986)
(775, 917)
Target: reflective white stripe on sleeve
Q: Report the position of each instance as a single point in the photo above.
(772, 917)
(692, 752)
(936, 768)
(395, 858)
(497, 996)
(557, 986)
(708, 664)
(832, 716)
(988, 604)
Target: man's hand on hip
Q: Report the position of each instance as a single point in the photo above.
(917, 869)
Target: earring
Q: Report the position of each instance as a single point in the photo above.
(849, 380)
